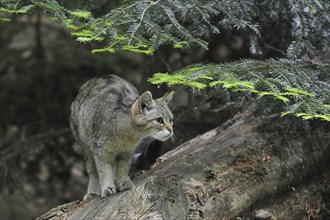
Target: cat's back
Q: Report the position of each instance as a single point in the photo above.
(107, 89)
(109, 86)
(101, 99)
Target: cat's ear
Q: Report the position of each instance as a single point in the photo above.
(146, 101)
(167, 97)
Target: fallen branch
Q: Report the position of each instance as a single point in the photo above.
(228, 172)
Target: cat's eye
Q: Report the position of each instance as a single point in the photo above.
(160, 120)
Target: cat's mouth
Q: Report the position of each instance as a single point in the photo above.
(165, 138)
(163, 135)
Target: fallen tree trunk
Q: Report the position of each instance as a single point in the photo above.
(246, 168)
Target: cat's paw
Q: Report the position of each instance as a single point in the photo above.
(125, 184)
(108, 191)
(90, 196)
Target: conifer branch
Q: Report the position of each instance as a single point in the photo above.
(294, 83)
(186, 23)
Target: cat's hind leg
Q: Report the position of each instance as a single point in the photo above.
(93, 184)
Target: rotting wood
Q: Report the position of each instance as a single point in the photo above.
(227, 172)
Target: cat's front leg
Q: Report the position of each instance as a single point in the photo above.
(123, 181)
(105, 169)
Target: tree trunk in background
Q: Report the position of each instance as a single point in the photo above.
(253, 168)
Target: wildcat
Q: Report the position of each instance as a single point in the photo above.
(108, 119)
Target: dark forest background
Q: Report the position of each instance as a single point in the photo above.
(41, 69)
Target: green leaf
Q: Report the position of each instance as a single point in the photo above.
(277, 96)
(69, 23)
(297, 92)
(72, 27)
(235, 86)
(140, 49)
(324, 117)
(81, 14)
(160, 78)
(121, 38)
(89, 39)
(282, 98)
(307, 117)
(206, 77)
(22, 10)
(214, 83)
(5, 20)
(195, 69)
(83, 33)
(301, 114)
(286, 113)
(181, 44)
(197, 85)
(106, 49)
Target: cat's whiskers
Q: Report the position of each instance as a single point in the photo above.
(173, 138)
(148, 140)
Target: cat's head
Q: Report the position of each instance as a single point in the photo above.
(153, 116)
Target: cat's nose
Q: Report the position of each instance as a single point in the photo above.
(170, 129)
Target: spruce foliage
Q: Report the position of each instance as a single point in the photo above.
(299, 85)
(143, 26)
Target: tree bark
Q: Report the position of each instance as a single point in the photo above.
(253, 168)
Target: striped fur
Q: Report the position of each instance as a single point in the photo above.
(108, 119)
